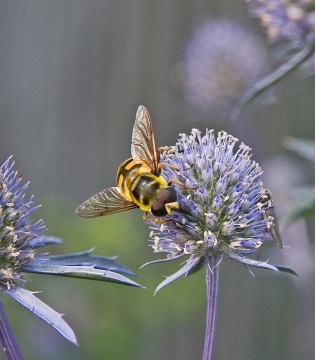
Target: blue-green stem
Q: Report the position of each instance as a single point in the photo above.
(8, 342)
(272, 79)
(212, 282)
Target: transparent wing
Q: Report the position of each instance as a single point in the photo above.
(274, 230)
(270, 212)
(108, 201)
(143, 148)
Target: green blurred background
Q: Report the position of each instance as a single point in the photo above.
(72, 76)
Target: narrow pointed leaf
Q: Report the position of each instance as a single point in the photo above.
(272, 79)
(161, 260)
(44, 240)
(250, 262)
(287, 270)
(190, 263)
(81, 272)
(42, 310)
(86, 258)
(302, 147)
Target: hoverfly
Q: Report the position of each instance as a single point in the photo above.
(268, 213)
(139, 180)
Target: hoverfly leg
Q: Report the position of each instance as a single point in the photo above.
(146, 218)
(163, 148)
(172, 180)
(156, 218)
(174, 167)
(168, 165)
(167, 148)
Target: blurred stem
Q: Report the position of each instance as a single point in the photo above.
(212, 282)
(274, 77)
(8, 342)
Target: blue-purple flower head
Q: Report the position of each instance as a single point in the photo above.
(225, 212)
(17, 232)
(289, 20)
(221, 61)
(19, 236)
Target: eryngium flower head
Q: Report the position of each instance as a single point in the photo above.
(227, 212)
(19, 236)
(290, 20)
(222, 60)
(17, 231)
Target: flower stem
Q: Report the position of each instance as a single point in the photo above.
(8, 342)
(212, 282)
(272, 79)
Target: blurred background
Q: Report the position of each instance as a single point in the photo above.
(72, 76)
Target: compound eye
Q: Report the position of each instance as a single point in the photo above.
(158, 208)
(167, 195)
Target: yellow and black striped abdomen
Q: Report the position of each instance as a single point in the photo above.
(126, 174)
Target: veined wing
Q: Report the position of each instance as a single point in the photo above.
(108, 201)
(270, 212)
(143, 148)
(274, 230)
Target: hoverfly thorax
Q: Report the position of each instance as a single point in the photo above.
(145, 189)
(140, 185)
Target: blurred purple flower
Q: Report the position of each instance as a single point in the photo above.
(222, 60)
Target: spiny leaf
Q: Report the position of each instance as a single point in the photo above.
(42, 310)
(251, 262)
(81, 272)
(85, 258)
(190, 264)
(287, 270)
(161, 260)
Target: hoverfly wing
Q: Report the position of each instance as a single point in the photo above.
(108, 201)
(273, 230)
(143, 148)
(276, 235)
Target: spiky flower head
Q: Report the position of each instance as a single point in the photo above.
(227, 212)
(17, 231)
(221, 61)
(289, 20)
(19, 236)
